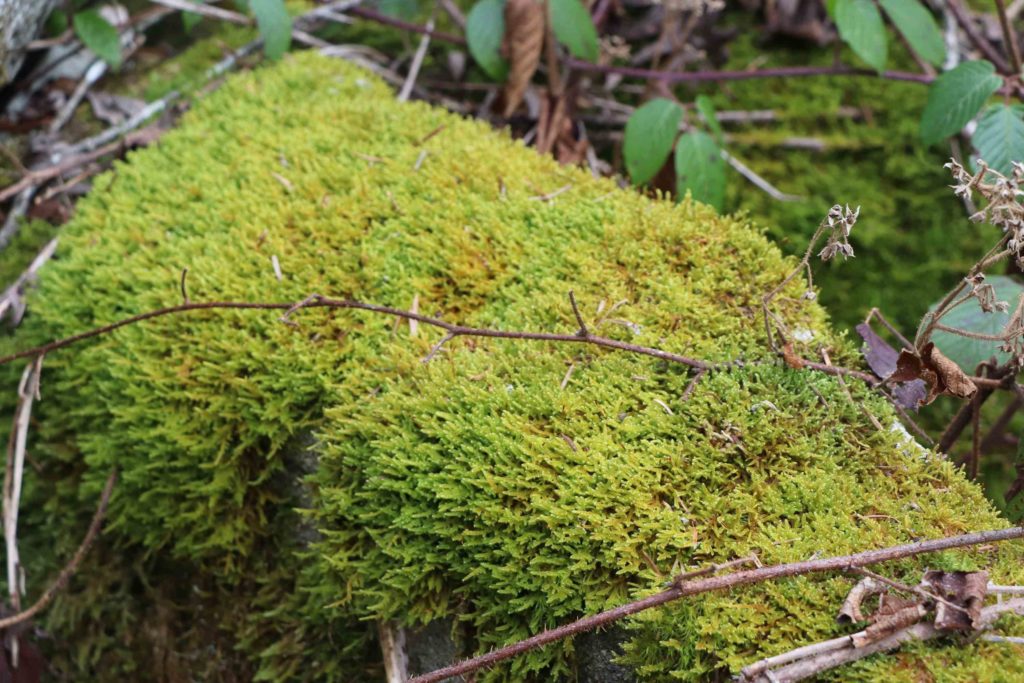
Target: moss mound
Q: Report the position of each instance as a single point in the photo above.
(282, 487)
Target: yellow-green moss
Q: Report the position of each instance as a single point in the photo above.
(474, 485)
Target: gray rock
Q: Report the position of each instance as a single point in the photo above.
(595, 655)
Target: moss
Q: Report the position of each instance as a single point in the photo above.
(473, 486)
(31, 237)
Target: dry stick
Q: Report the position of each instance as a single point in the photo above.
(916, 590)
(377, 17)
(72, 566)
(716, 583)
(814, 659)
(28, 389)
(966, 23)
(582, 332)
(999, 426)
(666, 76)
(1009, 37)
(417, 61)
(144, 136)
(317, 301)
(211, 11)
(972, 465)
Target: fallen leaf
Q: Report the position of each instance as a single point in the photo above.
(525, 28)
(792, 359)
(966, 589)
(850, 612)
(893, 615)
(942, 375)
(881, 357)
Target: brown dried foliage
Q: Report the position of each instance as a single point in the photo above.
(525, 29)
(942, 375)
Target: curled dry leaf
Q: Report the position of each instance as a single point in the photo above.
(966, 589)
(881, 358)
(525, 28)
(791, 357)
(942, 375)
(851, 613)
(893, 615)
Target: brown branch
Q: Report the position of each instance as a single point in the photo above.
(812, 660)
(746, 74)
(317, 301)
(985, 47)
(716, 583)
(1009, 37)
(142, 137)
(72, 566)
(377, 17)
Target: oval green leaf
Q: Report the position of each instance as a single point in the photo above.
(650, 132)
(700, 169)
(275, 26)
(860, 26)
(99, 35)
(967, 353)
(999, 137)
(485, 26)
(707, 112)
(955, 97)
(574, 28)
(918, 26)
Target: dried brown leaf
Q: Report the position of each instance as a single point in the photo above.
(942, 375)
(966, 589)
(792, 359)
(850, 612)
(525, 28)
(893, 615)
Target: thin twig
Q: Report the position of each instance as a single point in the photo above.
(967, 24)
(1009, 37)
(906, 588)
(211, 11)
(716, 583)
(417, 61)
(582, 332)
(820, 657)
(72, 566)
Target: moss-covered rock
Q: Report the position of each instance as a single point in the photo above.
(507, 485)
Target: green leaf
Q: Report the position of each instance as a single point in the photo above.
(650, 132)
(99, 35)
(485, 26)
(707, 112)
(967, 353)
(189, 20)
(860, 26)
(700, 169)
(918, 26)
(574, 28)
(399, 9)
(275, 26)
(56, 23)
(999, 137)
(955, 97)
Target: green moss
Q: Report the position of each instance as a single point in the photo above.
(474, 485)
(31, 237)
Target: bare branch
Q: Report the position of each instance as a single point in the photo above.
(72, 566)
(716, 583)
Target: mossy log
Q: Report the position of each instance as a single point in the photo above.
(284, 487)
